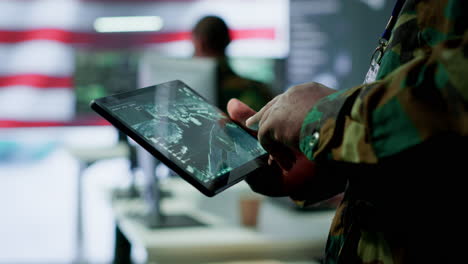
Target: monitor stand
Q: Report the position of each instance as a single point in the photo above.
(172, 221)
(154, 217)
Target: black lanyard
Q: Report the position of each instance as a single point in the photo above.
(383, 41)
(376, 58)
(392, 21)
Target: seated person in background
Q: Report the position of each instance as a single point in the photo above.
(210, 38)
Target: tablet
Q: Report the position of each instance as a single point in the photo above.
(191, 136)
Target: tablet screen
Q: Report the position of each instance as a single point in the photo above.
(192, 133)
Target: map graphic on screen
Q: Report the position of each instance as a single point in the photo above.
(193, 133)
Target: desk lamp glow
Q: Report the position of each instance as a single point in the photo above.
(128, 24)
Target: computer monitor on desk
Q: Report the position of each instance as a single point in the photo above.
(201, 75)
(198, 73)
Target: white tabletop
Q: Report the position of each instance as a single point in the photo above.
(281, 234)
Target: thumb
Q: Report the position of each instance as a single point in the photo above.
(239, 112)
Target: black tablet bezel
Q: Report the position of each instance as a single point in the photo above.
(212, 188)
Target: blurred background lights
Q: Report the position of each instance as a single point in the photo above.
(375, 4)
(128, 24)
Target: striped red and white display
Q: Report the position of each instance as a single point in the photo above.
(38, 40)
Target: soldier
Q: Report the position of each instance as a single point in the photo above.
(392, 144)
(210, 37)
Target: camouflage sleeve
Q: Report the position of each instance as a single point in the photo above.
(427, 95)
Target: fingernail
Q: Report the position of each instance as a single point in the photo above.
(253, 126)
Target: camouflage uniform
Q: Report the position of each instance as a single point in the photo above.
(230, 85)
(397, 138)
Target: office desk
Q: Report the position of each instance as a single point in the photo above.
(41, 175)
(281, 234)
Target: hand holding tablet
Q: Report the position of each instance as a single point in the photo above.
(181, 129)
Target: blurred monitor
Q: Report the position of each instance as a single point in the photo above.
(198, 73)
(100, 73)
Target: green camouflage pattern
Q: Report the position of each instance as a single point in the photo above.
(423, 43)
(230, 85)
(421, 92)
